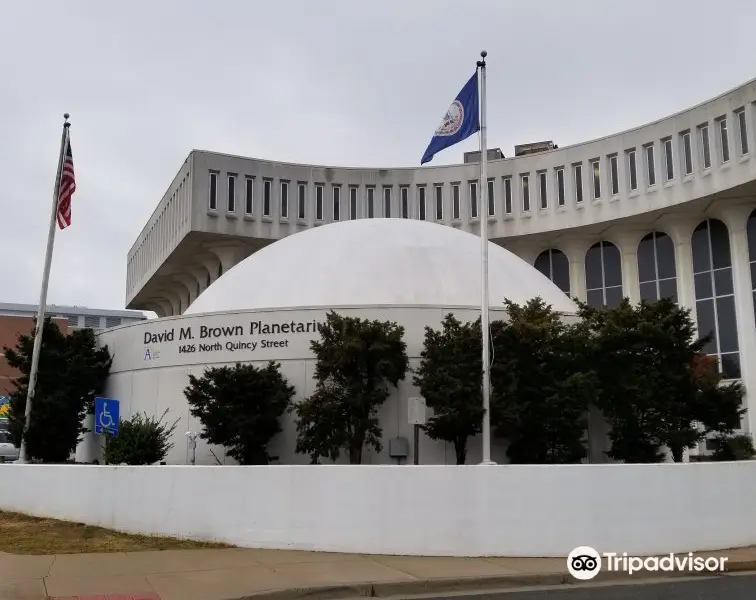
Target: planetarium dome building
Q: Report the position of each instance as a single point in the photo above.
(268, 307)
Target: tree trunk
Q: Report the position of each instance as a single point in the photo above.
(460, 449)
(677, 453)
(355, 451)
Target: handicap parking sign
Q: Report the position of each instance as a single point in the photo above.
(107, 415)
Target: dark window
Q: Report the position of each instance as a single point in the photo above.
(724, 141)
(596, 168)
(743, 131)
(614, 174)
(668, 163)
(542, 191)
(284, 200)
(650, 166)
(491, 198)
(387, 202)
(473, 199)
(336, 203)
(751, 232)
(705, 147)
(507, 196)
(213, 193)
(267, 186)
(249, 195)
(455, 202)
(421, 203)
(633, 168)
(603, 275)
(405, 202)
(302, 201)
(554, 264)
(715, 302)
(656, 267)
(560, 187)
(687, 154)
(352, 203)
(578, 183)
(231, 205)
(319, 202)
(370, 203)
(439, 203)
(525, 193)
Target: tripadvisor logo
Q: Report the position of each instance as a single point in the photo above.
(585, 563)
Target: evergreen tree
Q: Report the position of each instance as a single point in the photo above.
(72, 371)
(357, 361)
(449, 378)
(240, 408)
(657, 388)
(541, 385)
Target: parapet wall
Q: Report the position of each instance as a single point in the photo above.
(526, 510)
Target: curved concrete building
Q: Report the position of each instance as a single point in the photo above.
(665, 209)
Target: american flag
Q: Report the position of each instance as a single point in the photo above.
(67, 187)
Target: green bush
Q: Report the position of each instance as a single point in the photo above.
(733, 447)
(141, 440)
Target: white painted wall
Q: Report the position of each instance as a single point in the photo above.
(543, 510)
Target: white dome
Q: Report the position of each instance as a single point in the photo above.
(371, 262)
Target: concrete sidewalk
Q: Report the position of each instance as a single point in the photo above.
(282, 574)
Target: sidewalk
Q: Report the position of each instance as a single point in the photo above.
(281, 574)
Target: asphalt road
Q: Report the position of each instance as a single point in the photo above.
(734, 587)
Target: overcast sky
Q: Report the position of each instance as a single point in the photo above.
(339, 82)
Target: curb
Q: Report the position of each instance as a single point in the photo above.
(473, 584)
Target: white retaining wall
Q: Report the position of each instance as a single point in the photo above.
(424, 510)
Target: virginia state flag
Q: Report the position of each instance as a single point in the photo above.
(460, 122)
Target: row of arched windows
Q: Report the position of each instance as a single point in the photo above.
(657, 278)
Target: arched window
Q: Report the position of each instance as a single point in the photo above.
(554, 264)
(715, 299)
(656, 267)
(603, 275)
(752, 254)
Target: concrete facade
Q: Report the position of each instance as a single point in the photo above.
(663, 209)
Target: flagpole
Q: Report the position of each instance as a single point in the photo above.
(40, 325)
(484, 324)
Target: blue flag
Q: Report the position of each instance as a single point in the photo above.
(460, 122)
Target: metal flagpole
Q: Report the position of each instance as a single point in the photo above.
(484, 325)
(22, 458)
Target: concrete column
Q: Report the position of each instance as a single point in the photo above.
(229, 254)
(210, 262)
(165, 304)
(155, 307)
(627, 243)
(736, 219)
(575, 250)
(188, 282)
(681, 232)
(200, 275)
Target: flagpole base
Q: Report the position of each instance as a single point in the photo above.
(486, 463)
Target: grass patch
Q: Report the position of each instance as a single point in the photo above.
(22, 534)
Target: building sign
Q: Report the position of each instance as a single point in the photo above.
(203, 339)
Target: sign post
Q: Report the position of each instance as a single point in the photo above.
(416, 413)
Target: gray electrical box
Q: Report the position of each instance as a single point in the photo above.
(398, 447)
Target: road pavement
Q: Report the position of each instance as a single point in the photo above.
(728, 587)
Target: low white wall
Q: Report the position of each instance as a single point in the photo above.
(423, 510)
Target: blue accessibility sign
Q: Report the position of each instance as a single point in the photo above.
(107, 415)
